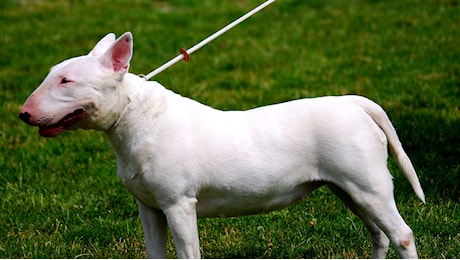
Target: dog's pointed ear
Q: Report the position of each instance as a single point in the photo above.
(118, 55)
(102, 46)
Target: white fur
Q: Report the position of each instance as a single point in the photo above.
(183, 160)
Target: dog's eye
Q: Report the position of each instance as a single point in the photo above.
(65, 81)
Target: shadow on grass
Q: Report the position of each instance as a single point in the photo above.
(432, 143)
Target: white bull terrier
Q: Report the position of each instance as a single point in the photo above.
(183, 160)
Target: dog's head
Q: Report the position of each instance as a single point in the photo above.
(81, 92)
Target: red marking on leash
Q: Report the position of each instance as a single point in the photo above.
(185, 53)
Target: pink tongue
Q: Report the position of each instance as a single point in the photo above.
(51, 132)
(63, 124)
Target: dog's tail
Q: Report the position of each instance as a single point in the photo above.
(381, 119)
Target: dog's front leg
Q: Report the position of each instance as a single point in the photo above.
(182, 221)
(155, 230)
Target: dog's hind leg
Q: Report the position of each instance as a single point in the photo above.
(373, 195)
(182, 221)
(155, 231)
(379, 240)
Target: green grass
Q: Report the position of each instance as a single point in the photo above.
(60, 198)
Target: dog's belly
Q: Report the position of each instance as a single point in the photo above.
(218, 203)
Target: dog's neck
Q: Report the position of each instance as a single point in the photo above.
(141, 99)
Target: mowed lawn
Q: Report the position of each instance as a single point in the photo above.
(61, 198)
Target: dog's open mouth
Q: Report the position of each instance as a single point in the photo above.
(63, 124)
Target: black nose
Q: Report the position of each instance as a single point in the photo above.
(25, 117)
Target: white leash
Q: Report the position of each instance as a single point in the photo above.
(185, 54)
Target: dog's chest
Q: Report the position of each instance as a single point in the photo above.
(135, 172)
(140, 191)
(133, 180)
